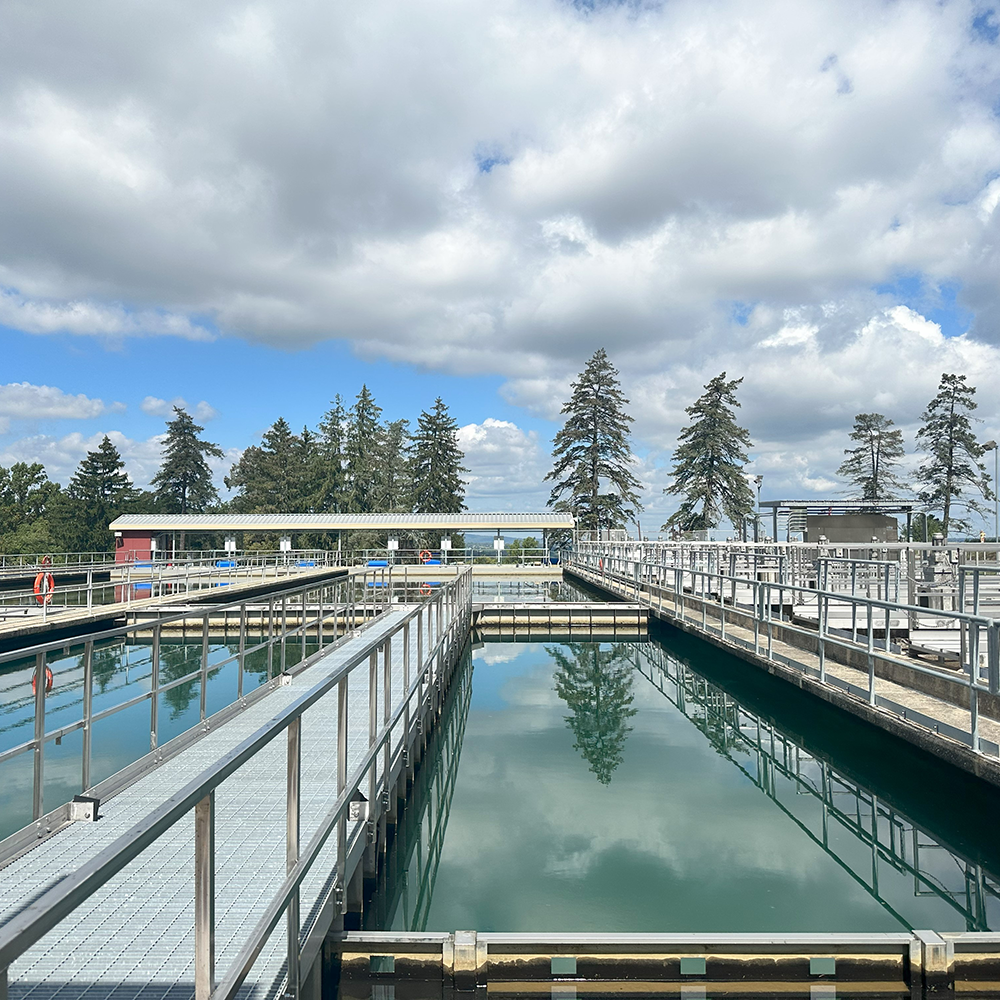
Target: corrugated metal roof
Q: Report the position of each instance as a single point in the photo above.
(466, 521)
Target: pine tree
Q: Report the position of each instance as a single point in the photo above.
(332, 480)
(436, 468)
(361, 452)
(952, 465)
(99, 491)
(872, 466)
(270, 478)
(709, 461)
(592, 451)
(394, 479)
(183, 484)
(596, 684)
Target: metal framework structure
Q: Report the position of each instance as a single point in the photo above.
(730, 586)
(430, 635)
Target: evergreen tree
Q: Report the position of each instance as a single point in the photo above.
(361, 452)
(183, 484)
(270, 478)
(596, 684)
(394, 478)
(952, 465)
(709, 461)
(436, 468)
(872, 466)
(592, 451)
(331, 482)
(99, 491)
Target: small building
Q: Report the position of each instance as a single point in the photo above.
(840, 521)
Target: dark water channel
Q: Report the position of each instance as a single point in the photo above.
(661, 786)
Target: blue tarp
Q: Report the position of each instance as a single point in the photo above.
(225, 564)
(378, 562)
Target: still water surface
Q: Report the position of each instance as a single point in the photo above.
(613, 787)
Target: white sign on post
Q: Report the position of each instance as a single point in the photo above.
(393, 544)
(230, 543)
(498, 544)
(285, 544)
(445, 544)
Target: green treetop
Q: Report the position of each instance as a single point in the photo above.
(952, 465)
(591, 453)
(271, 478)
(436, 465)
(99, 491)
(709, 460)
(361, 451)
(872, 467)
(183, 484)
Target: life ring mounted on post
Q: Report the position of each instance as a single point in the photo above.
(45, 585)
(425, 555)
(48, 681)
(425, 589)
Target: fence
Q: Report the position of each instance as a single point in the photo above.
(441, 627)
(732, 591)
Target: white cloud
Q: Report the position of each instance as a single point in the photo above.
(24, 401)
(156, 407)
(506, 465)
(573, 179)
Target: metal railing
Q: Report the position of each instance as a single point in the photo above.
(320, 613)
(440, 625)
(675, 576)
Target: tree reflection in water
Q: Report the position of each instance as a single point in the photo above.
(596, 684)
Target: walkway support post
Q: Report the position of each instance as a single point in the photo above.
(204, 897)
(292, 847)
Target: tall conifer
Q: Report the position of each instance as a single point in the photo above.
(183, 484)
(709, 460)
(591, 453)
(361, 450)
(872, 466)
(952, 466)
(436, 468)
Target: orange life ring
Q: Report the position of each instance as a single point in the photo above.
(46, 560)
(45, 584)
(425, 556)
(48, 681)
(425, 590)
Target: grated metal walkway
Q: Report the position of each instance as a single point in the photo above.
(135, 937)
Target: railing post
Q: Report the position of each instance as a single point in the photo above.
(204, 897)
(305, 609)
(204, 666)
(284, 630)
(341, 785)
(241, 655)
(154, 687)
(38, 790)
(88, 711)
(292, 846)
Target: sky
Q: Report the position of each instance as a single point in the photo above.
(253, 206)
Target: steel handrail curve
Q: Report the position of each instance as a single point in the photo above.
(46, 911)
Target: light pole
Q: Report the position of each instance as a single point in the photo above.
(759, 481)
(992, 446)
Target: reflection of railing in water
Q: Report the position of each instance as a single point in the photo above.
(890, 836)
(415, 853)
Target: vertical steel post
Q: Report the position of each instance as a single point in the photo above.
(342, 782)
(406, 683)
(88, 711)
(241, 656)
(305, 611)
(204, 897)
(294, 770)
(372, 722)
(270, 638)
(386, 710)
(284, 631)
(154, 688)
(38, 796)
(204, 666)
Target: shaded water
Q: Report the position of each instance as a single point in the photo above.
(616, 788)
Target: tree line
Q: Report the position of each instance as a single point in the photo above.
(352, 462)
(592, 476)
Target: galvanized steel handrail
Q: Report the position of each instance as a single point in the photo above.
(636, 566)
(446, 616)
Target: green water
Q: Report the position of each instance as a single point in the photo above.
(616, 788)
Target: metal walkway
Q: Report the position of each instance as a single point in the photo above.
(135, 936)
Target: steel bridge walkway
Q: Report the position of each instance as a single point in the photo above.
(135, 937)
